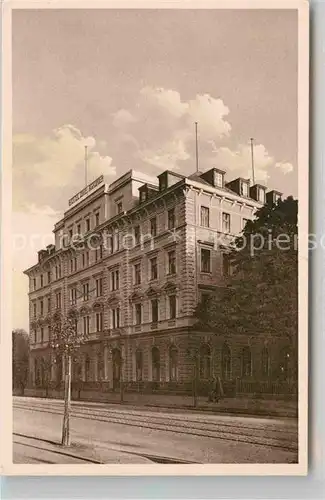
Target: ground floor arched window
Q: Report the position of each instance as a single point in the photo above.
(117, 366)
(155, 357)
(139, 365)
(246, 362)
(205, 362)
(226, 362)
(173, 363)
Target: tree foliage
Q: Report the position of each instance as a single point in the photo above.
(65, 335)
(261, 295)
(20, 357)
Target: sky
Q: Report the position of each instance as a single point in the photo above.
(130, 84)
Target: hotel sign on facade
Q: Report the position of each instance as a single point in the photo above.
(77, 197)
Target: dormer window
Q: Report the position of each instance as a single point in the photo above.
(218, 179)
(143, 196)
(244, 188)
(261, 195)
(162, 183)
(119, 207)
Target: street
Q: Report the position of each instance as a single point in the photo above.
(112, 433)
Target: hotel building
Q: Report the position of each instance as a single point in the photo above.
(134, 259)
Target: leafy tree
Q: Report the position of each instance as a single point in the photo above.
(20, 357)
(66, 339)
(262, 290)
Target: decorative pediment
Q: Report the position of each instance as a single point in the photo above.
(136, 296)
(113, 299)
(40, 322)
(98, 306)
(47, 319)
(84, 310)
(57, 316)
(152, 291)
(170, 287)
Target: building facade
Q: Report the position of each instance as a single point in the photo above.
(133, 259)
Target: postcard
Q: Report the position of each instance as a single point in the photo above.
(154, 238)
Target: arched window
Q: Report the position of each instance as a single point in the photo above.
(139, 365)
(87, 368)
(100, 365)
(226, 362)
(246, 362)
(265, 362)
(205, 362)
(117, 363)
(173, 362)
(155, 357)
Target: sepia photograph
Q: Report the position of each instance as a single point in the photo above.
(158, 236)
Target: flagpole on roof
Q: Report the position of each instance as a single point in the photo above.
(196, 149)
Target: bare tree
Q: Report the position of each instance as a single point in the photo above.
(66, 339)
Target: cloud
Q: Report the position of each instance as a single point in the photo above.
(239, 161)
(43, 165)
(286, 167)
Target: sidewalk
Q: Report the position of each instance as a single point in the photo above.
(238, 405)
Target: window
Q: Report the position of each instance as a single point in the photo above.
(42, 335)
(85, 259)
(58, 300)
(58, 271)
(99, 287)
(87, 225)
(154, 311)
(226, 222)
(244, 189)
(205, 217)
(87, 367)
(246, 362)
(42, 307)
(171, 218)
(139, 365)
(173, 361)
(137, 274)
(48, 304)
(205, 260)
(218, 179)
(155, 357)
(172, 262)
(73, 296)
(48, 277)
(205, 296)
(277, 197)
(226, 265)
(99, 253)
(115, 280)
(137, 235)
(205, 362)
(153, 268)
(99, 322)
(86, 325)
(116, 241)
(34, 283)
(85, 290)
(172, 306)
(34, 310)
(97, 218)
(226, 362)
(79, 229)
(265, 362)
(116, 317)
(119, 207)
(138, 314)
(70, 234)
(42, 283)
(153, 226)
(261, 195)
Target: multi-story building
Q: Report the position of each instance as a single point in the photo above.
(146, 254)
